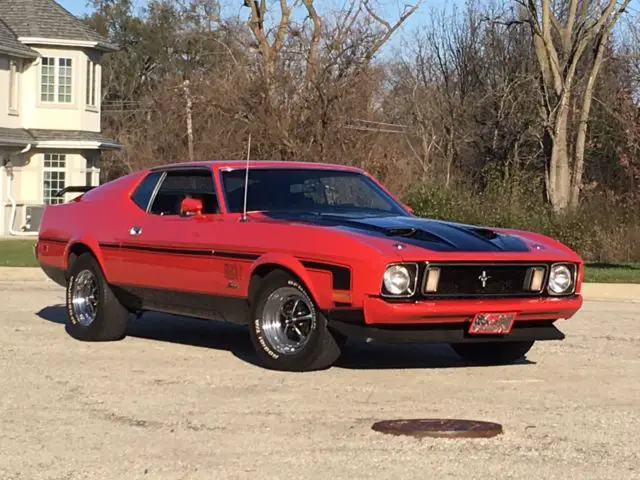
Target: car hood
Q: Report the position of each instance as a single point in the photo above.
(434, 235)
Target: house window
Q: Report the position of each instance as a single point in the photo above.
(55, 165)
(47, 82)
(14, 69)
(64, 80)
(91, 84)
(56, 79)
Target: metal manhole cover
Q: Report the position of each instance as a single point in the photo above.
(439, 427)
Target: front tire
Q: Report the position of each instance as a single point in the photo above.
(492, 353)
(94, 313)
(287, 330)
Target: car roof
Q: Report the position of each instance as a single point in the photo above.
(223, 164)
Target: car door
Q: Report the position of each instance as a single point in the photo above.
(166, 255)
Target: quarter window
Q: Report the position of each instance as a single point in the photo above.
(55, 166)
(180, 184)
(142, 195)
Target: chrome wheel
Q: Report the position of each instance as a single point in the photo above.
(288, 318)
(84, 297)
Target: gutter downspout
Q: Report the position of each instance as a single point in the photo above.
(14, 207)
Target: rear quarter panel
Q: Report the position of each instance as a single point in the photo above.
(88, 220)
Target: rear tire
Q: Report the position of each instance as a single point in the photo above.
(287, 330)
(94, 314)
(492, 353)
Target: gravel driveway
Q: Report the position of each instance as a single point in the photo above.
(183, 399)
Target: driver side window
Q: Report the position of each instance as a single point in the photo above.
(180, 184)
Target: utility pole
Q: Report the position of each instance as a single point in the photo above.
(189, 105)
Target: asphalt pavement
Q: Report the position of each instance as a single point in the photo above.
(184, 399)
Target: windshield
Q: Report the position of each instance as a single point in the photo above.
(307, 191)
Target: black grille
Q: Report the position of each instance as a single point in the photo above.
(466, 280)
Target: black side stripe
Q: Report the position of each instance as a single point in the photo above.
(183, 251)
(341, 275)
(52, 240)
(237, 255)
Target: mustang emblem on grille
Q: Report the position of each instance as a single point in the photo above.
(483, 278)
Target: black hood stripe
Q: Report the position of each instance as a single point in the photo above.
(440, 236)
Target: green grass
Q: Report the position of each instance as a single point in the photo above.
(17, 253)
(612, 273)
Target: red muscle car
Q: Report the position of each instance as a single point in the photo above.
(308, 256)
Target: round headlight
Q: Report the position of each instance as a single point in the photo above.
(560, 279)
(397, 279)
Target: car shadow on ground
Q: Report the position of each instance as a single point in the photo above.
(235, 339)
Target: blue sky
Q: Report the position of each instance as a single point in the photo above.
(78, 7)
(391, 9)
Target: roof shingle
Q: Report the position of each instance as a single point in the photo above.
(10, 44)
(15, 136)
(22, 137)
(70, 136)
(47, 19)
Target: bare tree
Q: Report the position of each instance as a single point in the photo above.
(270, 40)
(568, 36)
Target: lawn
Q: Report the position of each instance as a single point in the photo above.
(19, 253)
(612, 273)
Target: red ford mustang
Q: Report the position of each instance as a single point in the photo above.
(323, 253)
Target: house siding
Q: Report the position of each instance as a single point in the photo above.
(6, 118)
(28, 180)
(37, 126)
(72, 116)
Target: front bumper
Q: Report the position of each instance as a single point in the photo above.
(378, 311)
(448, 320)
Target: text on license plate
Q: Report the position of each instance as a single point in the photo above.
(492, 323)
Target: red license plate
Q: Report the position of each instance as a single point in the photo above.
(492, 323)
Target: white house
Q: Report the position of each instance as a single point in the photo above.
(49, 109)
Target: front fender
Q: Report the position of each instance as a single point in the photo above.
(316, 287)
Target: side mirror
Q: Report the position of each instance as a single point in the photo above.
(191, 207)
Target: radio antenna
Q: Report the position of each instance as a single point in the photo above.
(246, 181)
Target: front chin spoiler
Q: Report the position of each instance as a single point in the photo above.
(444, 333)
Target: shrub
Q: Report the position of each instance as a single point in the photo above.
(598, 230)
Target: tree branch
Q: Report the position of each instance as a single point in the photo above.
(316, 33)
(389, 29)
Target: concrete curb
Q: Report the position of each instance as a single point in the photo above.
(611, 291)
(22, 274)
(590, 291)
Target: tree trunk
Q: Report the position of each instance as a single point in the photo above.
(559, 181)
(189, 108)
(581, 138)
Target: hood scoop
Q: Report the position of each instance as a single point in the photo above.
(419, 234)
(485, 233)
(401, 232)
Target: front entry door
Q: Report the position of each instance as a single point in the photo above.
(166, 259)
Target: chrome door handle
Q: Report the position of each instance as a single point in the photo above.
(135, 230)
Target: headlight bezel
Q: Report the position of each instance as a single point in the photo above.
(573, 271)
(412, 269)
